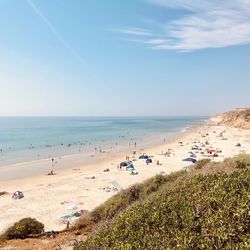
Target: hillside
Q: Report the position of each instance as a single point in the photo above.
(239, 118)
(186, 210)
(204, 208)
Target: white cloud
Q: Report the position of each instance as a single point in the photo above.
(134, 31)
(206, 24)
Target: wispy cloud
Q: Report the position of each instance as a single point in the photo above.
(134, 31)
(54, 31)
(206, 24)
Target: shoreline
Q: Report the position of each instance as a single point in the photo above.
(107, 159)
(38, 167)
(48, 198)
(83, 139)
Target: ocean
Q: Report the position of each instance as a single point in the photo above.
(24, 139)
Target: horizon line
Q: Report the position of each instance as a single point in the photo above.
(96, 116)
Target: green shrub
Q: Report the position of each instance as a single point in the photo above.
(116, 203)
(229, 165)
(125, 198)
(201, 163)
(240, 164)
(23, 228)
(196, 212)
(2, 239)
(241, 161)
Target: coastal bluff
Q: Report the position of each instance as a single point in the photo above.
(238, 118)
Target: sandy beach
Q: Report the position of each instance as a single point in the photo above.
(54, 199)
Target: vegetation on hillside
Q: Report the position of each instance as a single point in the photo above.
(204, 208)
(122, 200)
(23, 228)
(229, 165)
(180, 211)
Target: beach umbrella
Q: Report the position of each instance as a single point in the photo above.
(190, 159)
(123, 164)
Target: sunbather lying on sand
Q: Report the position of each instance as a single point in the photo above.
(134, 173)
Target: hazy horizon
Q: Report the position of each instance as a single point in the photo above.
(132, 58)
(102, 116)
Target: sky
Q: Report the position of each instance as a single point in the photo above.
(123, 58)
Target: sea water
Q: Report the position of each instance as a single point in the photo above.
(25, 139)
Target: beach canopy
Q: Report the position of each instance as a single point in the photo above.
(143, 157)
(190, 159)
(238, 145)
(17, 195)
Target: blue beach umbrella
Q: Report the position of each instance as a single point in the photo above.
(190, 160)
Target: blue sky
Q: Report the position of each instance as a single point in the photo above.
(133, 57)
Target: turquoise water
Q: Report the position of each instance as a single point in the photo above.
(25, 139)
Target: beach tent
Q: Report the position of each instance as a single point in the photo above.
(17, 195)
(238, 145)
(143, 157)
(129, 167)
(190, 159)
